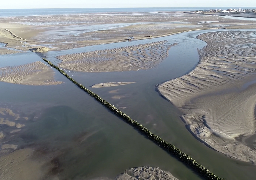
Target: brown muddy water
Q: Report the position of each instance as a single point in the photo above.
(87, 141)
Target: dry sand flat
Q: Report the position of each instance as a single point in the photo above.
(226, 62)
(130, 58)
(36, 73)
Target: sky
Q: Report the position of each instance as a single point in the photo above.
(28, 4)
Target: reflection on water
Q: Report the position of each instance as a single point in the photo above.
(2, 45)
(76, 30)
(17, 59)
(247, 17)
(58, 124)
(84, 140)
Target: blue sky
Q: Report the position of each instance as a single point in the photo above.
(23, 4)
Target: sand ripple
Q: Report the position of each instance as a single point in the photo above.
(130, 58)
(218, 119)
(36, 73)
(146, 173)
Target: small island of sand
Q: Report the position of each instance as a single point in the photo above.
(111, 84)
(129, 58)
(36, 73)
(216, 97)
(146, 173)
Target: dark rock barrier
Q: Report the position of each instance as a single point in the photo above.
(171, 149)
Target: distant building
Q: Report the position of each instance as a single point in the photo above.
(239, 10)
(225, 11)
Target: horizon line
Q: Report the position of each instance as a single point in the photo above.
(128, 7)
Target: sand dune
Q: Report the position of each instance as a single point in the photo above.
(217, 109)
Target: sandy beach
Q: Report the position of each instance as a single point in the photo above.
(218, 106)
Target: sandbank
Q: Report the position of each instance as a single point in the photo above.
(146, 173)
(217, 106)
(36, 73)
(129, 58)
(111, 84)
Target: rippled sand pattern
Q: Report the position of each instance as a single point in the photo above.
(36, 73)
(146, 173)
(228, 56)
(130, 58)
(219, 119)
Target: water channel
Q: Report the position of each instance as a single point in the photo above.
(91, 141)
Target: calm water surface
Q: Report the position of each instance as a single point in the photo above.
(88, 141)
(68, 11)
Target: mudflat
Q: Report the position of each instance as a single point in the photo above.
(218, 104)
(58, 32)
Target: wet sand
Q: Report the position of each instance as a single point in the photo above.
(130, 58)
(58, 32)
(217, 107)
(145, 173)
(16, 161)
(36, 73)
(18, 165)
(111, 84)
(13, 123)
(21, 165)
(21, 34)
(14, 43)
